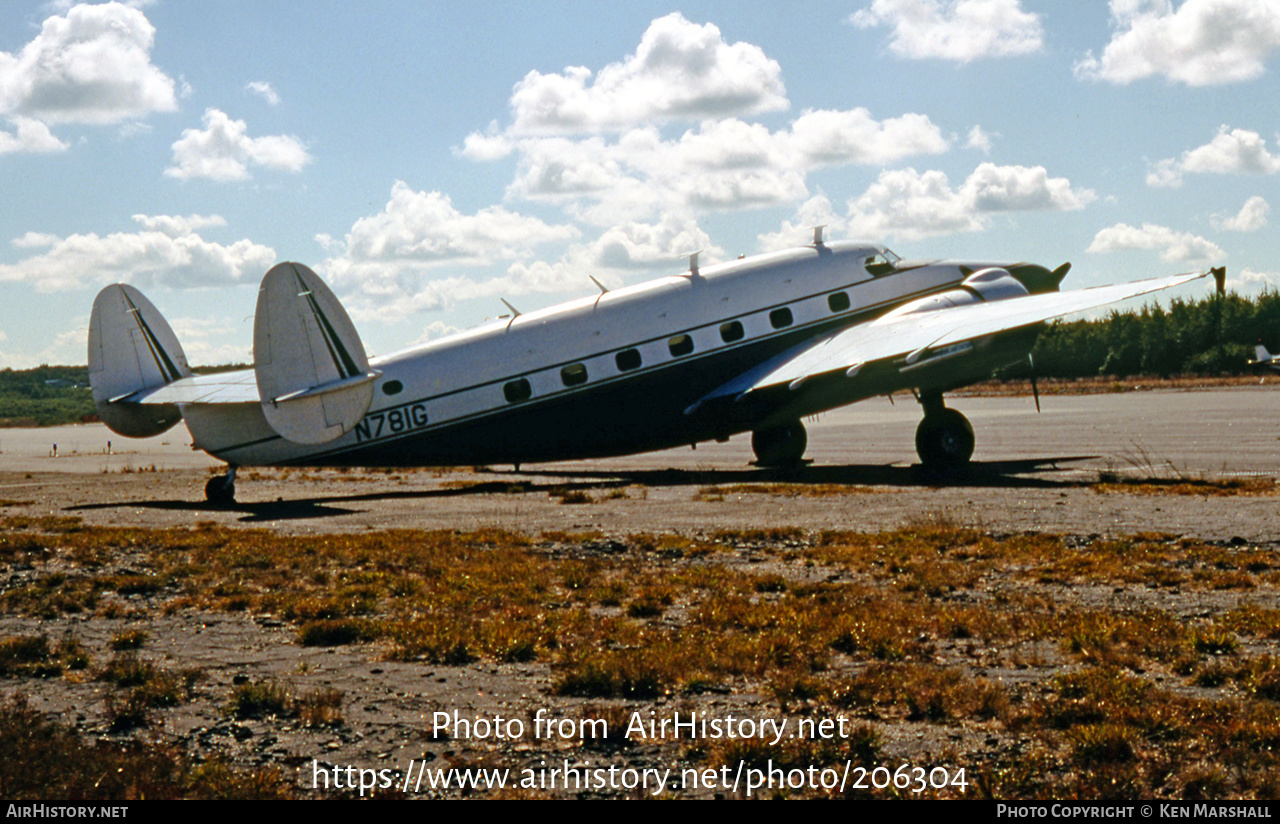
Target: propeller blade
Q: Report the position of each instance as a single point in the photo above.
(1035, 390)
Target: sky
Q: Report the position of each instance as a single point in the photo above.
(432, 159)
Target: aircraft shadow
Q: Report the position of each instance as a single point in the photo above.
(1010, 474)
(324, 507)
(1014, 474)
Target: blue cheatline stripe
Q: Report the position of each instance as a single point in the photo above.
(161, 357)
(337, 352)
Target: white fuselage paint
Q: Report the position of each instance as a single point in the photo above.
(460, 379)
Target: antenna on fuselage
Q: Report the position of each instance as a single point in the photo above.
(693, 264)
(515, 313)
(817, 234)
(603, 289)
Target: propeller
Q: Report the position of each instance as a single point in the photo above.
(1035, 390)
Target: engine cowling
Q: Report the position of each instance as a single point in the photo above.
(982, 286)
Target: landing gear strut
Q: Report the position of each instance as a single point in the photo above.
(221, 489)
(944, 439)
(780, 446)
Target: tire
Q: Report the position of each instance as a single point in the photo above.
(944, 440)
(780, 446)
(220, 491)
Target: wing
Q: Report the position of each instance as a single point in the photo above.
(920, 338)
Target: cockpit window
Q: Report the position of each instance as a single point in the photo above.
(882, 264)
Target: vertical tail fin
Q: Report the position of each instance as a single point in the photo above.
(132, 348)
(313, 376)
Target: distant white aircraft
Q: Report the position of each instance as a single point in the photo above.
(1265, 358)
(751, 345)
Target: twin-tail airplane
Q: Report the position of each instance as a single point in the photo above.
(750, 345)
(1265, 359)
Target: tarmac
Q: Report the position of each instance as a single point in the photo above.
(1031, 471)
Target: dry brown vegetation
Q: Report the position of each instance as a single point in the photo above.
(1044, 665)
(1103, 384)
(1206, 487)
(787, 490)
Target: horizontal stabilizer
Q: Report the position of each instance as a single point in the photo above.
(218, 388)
(132, 351)
(313, 377)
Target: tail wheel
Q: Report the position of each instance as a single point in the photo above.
(780, 446)
(944, 440)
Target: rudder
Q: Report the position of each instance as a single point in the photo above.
(313, 376)
(131, 349)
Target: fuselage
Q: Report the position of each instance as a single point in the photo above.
(610, 374)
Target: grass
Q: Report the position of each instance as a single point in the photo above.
(1144, 694)
(1188, 486)
(41, 759)
(269, 698)
(787, 490)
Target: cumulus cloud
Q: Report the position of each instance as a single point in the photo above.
(720, 165)
(214, 340)
(1251, 281)
(958, 30)
(816, 211)
(636, 245)
(828, 138)
(168, 251)
(908, 204)
(1232, 151)
(424, 227)
(405, 259)
(264, 90)
(1251, 217)
(223, 151)
(91, 66)
(1200, 43)
(1174, 247)
(978, 139)
(386, 258)
(601, 145)
(680, 71)
(29, 136)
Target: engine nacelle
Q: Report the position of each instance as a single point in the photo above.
(982, 286)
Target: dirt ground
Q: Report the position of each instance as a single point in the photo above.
(389, 708)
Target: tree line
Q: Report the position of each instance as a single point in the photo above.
(1210, 336)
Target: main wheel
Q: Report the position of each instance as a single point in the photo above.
(944, 440)
(220, 490)
(780, 446)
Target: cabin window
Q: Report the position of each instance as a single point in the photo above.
(680, 345)
(392, 388)
(575, 374)
(517, 391)
(731, 331)
(838, 301)
(627, 360)
(780, 317)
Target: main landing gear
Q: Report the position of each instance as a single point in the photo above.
(944, 439)
(780, 446)
(221, 489)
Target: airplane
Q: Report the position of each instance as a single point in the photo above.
(749, 345)
(1265, 358)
